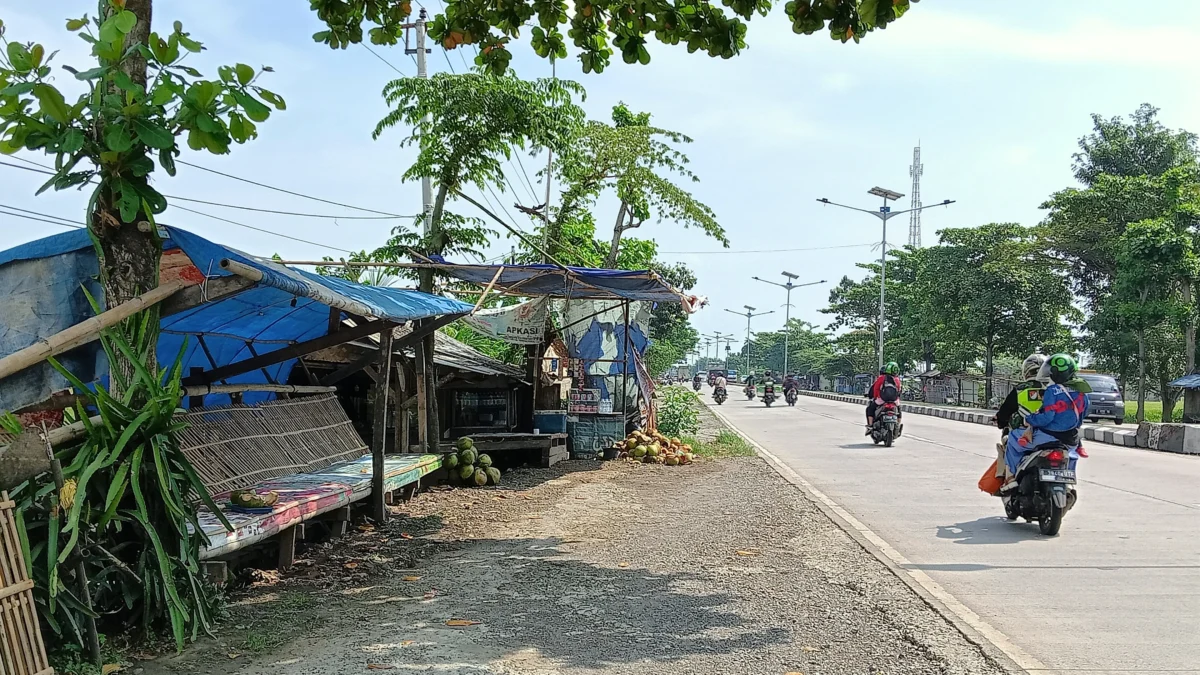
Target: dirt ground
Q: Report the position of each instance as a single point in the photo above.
(716, 568)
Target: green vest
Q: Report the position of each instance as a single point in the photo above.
(1029, 401)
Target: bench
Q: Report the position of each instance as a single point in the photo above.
(515, 449)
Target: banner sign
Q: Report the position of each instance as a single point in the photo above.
(522, 324)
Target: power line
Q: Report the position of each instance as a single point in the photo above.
(259, 229)
(285, 213)
(383, 215)
(389, 63)
(528, 184)
(289, 192)
(45, 217)
(773, 250)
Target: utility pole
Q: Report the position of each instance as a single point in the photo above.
(430, 426)
(787, 317)
(885, 212)
(749, 314)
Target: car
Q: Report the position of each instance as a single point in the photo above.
(1105, 398)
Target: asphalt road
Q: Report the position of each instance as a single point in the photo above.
(1118, 591)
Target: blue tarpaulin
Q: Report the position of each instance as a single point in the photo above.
(41, 294)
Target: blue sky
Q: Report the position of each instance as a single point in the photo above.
(996, 93)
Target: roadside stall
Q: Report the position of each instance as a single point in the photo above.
(602, 318)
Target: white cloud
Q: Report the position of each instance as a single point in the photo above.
(1090, 41)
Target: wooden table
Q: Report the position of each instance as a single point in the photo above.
(545, 449)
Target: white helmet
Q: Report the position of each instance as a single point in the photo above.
(1031, 366)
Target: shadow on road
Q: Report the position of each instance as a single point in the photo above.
(989, 530)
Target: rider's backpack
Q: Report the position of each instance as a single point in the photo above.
(889, 392)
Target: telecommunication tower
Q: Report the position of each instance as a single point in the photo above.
(914, 220)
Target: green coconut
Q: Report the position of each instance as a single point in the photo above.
(493, 475)
(464, 443)
(639, 452)
(466, 471)
(467, 456)
(653, 450)
(484, 461)
(481, 477)
(451, 461)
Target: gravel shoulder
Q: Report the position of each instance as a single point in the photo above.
(590, 568)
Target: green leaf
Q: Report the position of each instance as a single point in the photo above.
(153, 135)
(244, 73)
(141, 166)
(272, 98)
(72, 141)
(116, 490)
(161, 95)
(189, 44)
(125, 21)
(35, 56)
(254, 109)
(167, 159)
(117, 138)
(93, 74)
(76, 24)
(18, 56)
(52, 103)
(18, 89)
(110, 33)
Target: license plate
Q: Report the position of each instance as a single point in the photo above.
(1057, 475)
(1103, 411)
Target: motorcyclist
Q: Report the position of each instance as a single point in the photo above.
(790, 382)
(697, 380)
(1025, 398)
(721, 382)
(889, 374)
(1058, 419)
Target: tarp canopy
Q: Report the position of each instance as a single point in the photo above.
(41, 294)
(582, 283)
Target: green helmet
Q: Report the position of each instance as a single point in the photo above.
(890, 368)
(1059, 368)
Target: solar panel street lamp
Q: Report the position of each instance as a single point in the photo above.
(884, 213)
(787, 306)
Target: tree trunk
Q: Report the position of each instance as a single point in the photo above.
(1168, 397)
(1141, 402)
(128, 253)
(618, 228)
(1189, 330)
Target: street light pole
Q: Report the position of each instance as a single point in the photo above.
(787, 317)
(749, 314)
(885, 212)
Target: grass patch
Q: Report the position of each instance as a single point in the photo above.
(726, 444)
(1153, 411)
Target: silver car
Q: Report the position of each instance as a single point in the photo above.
(1105, 398)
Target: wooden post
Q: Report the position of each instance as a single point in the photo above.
(431, 391)
(287, 548)
(400, 419)
(195, 401)
(423, 399)
(379, 434)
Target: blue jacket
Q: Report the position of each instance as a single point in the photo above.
(1063, 409)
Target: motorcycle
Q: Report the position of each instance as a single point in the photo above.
(790, 396)
(695, 385)
(887, 427)
(751, 392)
(1045, 488)
(719, 395)
(768, 394)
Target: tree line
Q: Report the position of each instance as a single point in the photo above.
(1108, 274)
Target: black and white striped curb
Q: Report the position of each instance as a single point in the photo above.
(1091, 432)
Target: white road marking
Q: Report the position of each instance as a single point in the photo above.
(1002, 642)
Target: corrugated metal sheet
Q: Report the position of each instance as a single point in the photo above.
(1188, 381)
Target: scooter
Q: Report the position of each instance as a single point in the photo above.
(695, 385)
(768, 394)
(790, 396)
(887, 427)
(719, 395)
(1045, 488)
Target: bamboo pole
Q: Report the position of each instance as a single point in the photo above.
(85, 331)
(205, 389)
